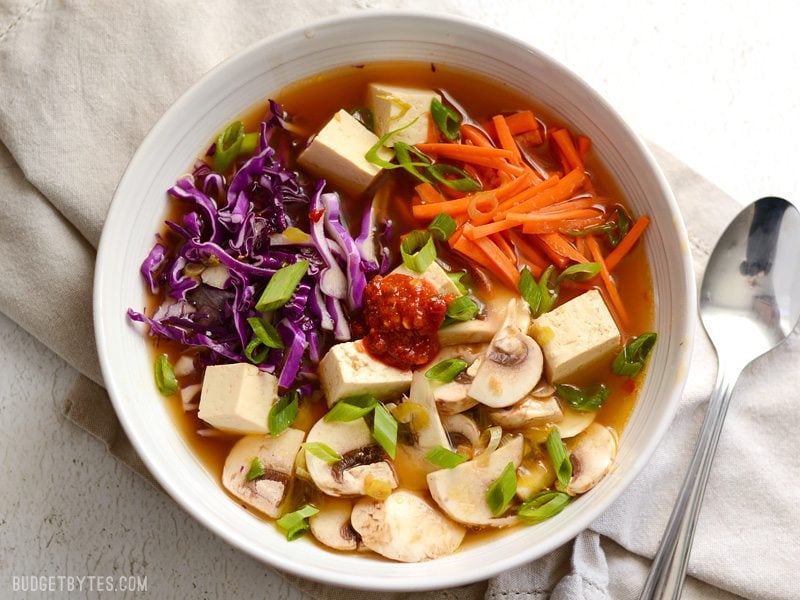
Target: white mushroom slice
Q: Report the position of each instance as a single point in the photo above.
(534, 475)
(277, 457)
(331, 525)
(405, 527)
(431, 434)
(362, 459)
(512, 366)
(461, 427)
(573, 421)
(543, 390)
(527, 412)
(592, 453)
(518, 315)
(461, 491)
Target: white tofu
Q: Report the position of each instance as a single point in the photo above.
(436, 275)
(478, 330)
(216, 276)
(395, 106)
(337, 153)
(237, 398)
(347, 370)
(575, 335)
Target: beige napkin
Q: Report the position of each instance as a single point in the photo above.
(80, 84)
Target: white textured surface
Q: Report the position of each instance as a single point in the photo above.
(715, 83)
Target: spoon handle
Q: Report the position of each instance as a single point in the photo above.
(668, 570)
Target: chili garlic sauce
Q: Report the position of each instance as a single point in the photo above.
(311, 103)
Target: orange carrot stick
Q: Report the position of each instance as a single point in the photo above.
(429, 194)
(578, 203)
(450, 207)
(502, 243)
(566, 146)
(521, 122)
(541, 227)
(559, 244)
(612, 260)
(584, 145)
(464, 152)
(491, 228)
(528, 193)
(482, 207)
(564, 189)
(555, 216)
(503, 268)
(611, 287)
(528, 250)
(506, 139)
(552, 256)
(470, 250)
(476, 136)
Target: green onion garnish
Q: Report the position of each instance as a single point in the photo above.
(364, 116)
(615, 228)
(372, 154)
(447, 370)
(502, 490)
(322, 452)
(296, 523)
(633, 356)
(463, 308)
(418, 251)
(256, 357)
(229, 143)
(579, 272)
(444, 457)
(249, 143)
(283, 412)
(540, 296)
(442, 227)
(549, 290)
(404, 153)
(265, 332)
(543, 506)
(256, 469)
(464, 183)
(456, 279)
(281, 286)
(585, 399)
(384, 430)
(558, 456)
(446, 119)
(351, 408)
(166, 382)
(529, 290)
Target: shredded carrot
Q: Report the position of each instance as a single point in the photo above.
(611, 287)
(429, 194)
(521, 122)
(559, 244)
(465, 152)
(530, 138)
(584, 145)
(472, 251)
(540, 227)
(580, 242)
(528, 250)
(529, 193)
(424, 212)
(506, 139)
(501, 242)
(491, 228)
(625, 246)
(476, 136)
(578, 203)
(502, 267)
(552, 256)
(556, 216)
(561, 190)
(482, 207)
(566, 146)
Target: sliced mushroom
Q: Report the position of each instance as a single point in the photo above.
(518, 315)
(592, 453)
(511, 368)
(331, 525)
(527, 412)
(573, 421)
(363, 459)
(431, 433)
(534, 475)
(451, 398)
(461, 430)
(277, 457)
(461, 491)
(405, 527)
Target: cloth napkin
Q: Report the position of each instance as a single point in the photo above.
(80, 85)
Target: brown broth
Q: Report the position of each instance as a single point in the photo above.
(311, 103)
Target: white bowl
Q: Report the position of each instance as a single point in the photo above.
(169, 150)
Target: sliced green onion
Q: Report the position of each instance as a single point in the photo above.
(229, 143)
(249, 143)
(446, 119)
(265, 332)
(418, 251)
(256, 469)
(351, 408)
(529, 290)
(296, 523)
(492, 435)
(585, 399)
(463, 308)
(256, 357)
(281, 286)
(404, 152)
(623, 226)
(445, 458)
(364, 116)
(559, 457)
(549, 290)
(322, 452)
(579, 272)
(447, 370)
(633, 356)
(442, 227)
(543, 506)
(384, 430)
(464, 183)
(614, 229)
(166, 382)
(283, 412)
(372, 154)
(456, 279)
(502, 490)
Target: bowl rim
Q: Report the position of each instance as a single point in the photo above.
(357, 581)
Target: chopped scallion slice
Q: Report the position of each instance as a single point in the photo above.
(364, 116)
(372, 154)
(456, 279)
(549, 290)
(502, 490)
(447, 370)
(418, 251)
(256, 357)
(579, 272)
(351, 408)
(283, 413)
(265, 332)
(463, 308)
(633, 356)
(166, 382)
(543, 506)
(585, 399)
(442, 227)
(445, 458)
(404, 152)
(249, 143)
(296, 523)
(322, 452)
(463, 183)
(256, 469)
(229, 143)
(529, 290)
(281, 286)
(559, 457)
(446, 119)
(384, 430)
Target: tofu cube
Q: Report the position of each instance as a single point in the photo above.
(395, 106)
(436, 275)
(337, 153)
(237, 398)
(575, 335)
(347, 370)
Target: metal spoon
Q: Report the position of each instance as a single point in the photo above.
(749, 303)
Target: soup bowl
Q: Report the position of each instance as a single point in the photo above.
(138, 209)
